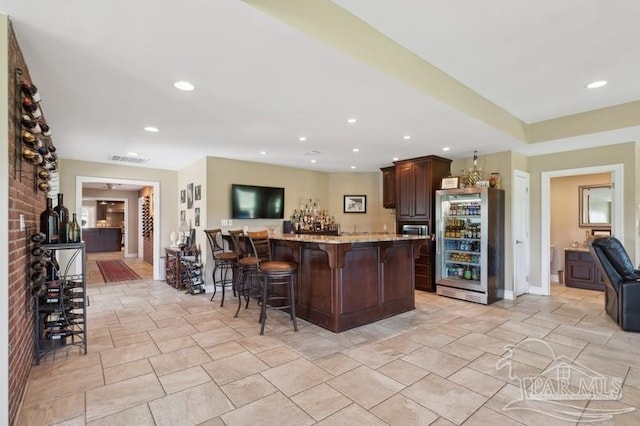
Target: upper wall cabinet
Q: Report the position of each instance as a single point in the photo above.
(416, 182)
(389, 187)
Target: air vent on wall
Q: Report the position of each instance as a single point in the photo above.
(127, 159)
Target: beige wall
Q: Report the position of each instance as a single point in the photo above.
(565, 213)
(195, 174)
(300, 185)
(625, 154)
(131, 227)
(168, 181)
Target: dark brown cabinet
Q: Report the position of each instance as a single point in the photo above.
(416, 182)
(389, 187)
(101, 211)
(581, 271)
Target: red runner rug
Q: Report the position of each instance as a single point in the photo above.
(116, 270)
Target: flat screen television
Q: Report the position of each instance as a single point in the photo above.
(256, 202)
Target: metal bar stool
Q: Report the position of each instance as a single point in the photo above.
(224, 261)
(246, 269)
(274, 273)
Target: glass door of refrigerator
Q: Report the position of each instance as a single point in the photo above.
(461, 246)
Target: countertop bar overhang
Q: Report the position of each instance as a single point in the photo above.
(347, 281)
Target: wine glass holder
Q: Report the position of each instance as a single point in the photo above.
(49, 162)
(59, 301)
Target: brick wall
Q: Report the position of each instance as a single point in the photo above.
(23, 199)
(147, 248)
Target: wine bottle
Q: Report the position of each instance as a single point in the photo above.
(63, 220)
(49, 221)
(38, 237)
(74, 230)
(36, 251)
(46, 130)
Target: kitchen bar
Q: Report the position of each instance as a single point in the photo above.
(351, 280)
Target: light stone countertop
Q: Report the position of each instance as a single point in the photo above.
(347, 239)
(579, 248)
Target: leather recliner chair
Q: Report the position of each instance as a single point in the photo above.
(622, 281)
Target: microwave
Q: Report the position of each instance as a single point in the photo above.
(415, 229)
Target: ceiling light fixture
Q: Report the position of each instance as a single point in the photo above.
(355, 150)
(446, 148)
(151, 129)
(351, 120)
(302, 138)
(353, 167)
(263, 152)
(406, 137)
(313, 161)
(395, 159)
(184, 85)
(596, 84)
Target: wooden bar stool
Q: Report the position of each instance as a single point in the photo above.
(224, 261)
(274, 273)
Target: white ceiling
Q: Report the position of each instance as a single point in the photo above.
(105, 70)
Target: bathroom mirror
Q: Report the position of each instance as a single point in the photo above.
(595, 206)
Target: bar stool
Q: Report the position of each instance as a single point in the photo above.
(224, 261)
(246, 270)
(274, 273)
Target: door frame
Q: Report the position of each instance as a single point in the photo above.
(156, 209)
(617, 213)
(527, 226)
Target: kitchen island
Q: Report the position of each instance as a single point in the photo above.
(351, 280)
(102, 239)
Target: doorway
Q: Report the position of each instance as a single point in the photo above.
(520, 223)
(617, 222)
(80, 180)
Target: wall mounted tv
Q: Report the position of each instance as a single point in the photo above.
(256, 202)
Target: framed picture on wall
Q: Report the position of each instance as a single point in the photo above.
(183, 215)
(190, 196)
(197, 221)
(183, 196)
(355, 204)
(197, 194)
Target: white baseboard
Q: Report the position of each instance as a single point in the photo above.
(537, 290)
(554, 278)
(508, 295)
(131, 255)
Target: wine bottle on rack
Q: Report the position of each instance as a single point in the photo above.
(74, 230)
(63, 220)
(49, 223)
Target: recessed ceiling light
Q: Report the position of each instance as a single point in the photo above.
(353, 167)
(596, 84)
(152, 129)
(184, 85)
(355, 150)
(302, 138)
(263, 152)
(395, 159)
(313, 161)
(406, 137)
(351, 120)
(446, 148)
(132, 154)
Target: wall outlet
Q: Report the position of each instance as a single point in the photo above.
(22, 225)
(230, 222)
(224, 222)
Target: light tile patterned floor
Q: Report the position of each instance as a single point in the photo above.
(161, 357)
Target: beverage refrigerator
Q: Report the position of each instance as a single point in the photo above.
(470, 244)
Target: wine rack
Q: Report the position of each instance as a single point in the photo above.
(147, 217)
(33, 144)
(184, 270)
(60, 300)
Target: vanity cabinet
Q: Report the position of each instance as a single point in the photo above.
(581, 271)
(389, 187)
(416, 182)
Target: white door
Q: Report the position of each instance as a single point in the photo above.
(520, 221)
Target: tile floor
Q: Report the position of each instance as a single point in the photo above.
(160, 357)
